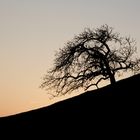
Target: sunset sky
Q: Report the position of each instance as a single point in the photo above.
(32, 30)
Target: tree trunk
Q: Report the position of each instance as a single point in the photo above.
(112, 78)
(111, 75)
(108, 70)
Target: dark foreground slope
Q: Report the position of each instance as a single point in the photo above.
(117, 106)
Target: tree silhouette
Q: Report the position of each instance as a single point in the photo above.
(92, 56)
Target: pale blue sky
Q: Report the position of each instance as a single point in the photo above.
(32, 30)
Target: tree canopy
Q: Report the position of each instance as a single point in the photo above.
(90, 57)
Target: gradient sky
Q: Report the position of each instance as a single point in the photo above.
(32, 30)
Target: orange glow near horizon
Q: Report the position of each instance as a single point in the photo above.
(30, 33)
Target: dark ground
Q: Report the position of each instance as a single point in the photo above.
(114, 113)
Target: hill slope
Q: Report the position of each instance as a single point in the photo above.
(116, 102)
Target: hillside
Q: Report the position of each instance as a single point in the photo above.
(116, 102)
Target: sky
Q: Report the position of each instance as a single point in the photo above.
(31, 31)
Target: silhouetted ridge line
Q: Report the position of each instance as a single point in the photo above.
(123, 102)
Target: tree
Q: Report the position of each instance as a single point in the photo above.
(92, 56)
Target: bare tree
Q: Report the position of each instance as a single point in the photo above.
(92, 56)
